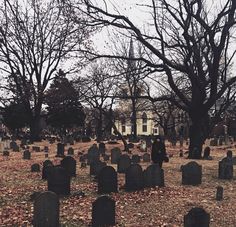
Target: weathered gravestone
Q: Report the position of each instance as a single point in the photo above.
(219, 193)
(13, 145)
(153, 176)
(226, 169)
(95, 167)
(6, 153)
(69, 164)
(59, 181)
(197, 217)
(47, 167)
(93, 154)
(70, 151)
(123, 164)
(191, 174)
(135, 159)
(103, 212)
(146, 157)
(36, 148)
(26, 155)
(102, 148)
(115, 155)
(206, 154)
(107, 180)
(60, 150)
(35, 167)
(46, 210)
(134, 178)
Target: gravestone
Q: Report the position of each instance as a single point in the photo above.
(191, 174)
(93, 154)
(69, 164)
(146, 157)
(115, 155)
(59, 181)
(26, 155)
(103, 212)
(35, 167)
(70, 151)
(134, 178)
(219, 193)
(107, 180)
(206, 154)
(13, 144)
(181, 153)
(197, 217)
(95, 167)
(135, 159)
(47, 167)
(153, 176)
(46, 210)
(60, 150)
(123, 164)
(36, 148)
(226, 169)
(102, 148)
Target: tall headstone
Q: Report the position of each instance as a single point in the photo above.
(60, 150)
(219, 193)
(93, 154)
(226, 169)
(153, 176)
(59, 181)
(70, 151)
(107, 180)
(124, 163)
(26, 155)
(197, 217)
(134, 178)
(69, 164)
(191, 174)
(115, 155)
(102, 148)
(103, 212)
(46, 210)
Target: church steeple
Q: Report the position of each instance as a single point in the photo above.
(131, 63)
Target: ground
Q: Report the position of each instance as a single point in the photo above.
(164, 206)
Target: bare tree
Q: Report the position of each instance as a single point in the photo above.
(190, 43)
(35, 38)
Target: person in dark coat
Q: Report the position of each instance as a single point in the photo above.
(158, 154)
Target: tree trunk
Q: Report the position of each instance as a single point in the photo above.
(198, 132)
(134, 120)
(35, 129)
(99, 127)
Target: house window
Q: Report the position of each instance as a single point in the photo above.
(123, 127)
(144, 122)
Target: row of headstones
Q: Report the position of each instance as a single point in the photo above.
(46, 212)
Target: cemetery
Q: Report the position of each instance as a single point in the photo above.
(141, 194)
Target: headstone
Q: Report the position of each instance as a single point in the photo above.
(146, 157)
(102, 148)
(13, 144)
(35, 167)
(47, 167)
(226, 169)
(93, 154)
(181, 154)
(69, 164)
(46, 210)
(197, 217)
(191, 174)
(95, 167)
(59, 181)
(60, 150)
(153, 176)
(219, 193)
(134, 178)
(206, 154)
(124, 163)
(103, 212)
(107, 180)
(70, 151)
(115, 155)
(26, 155)
(36, 148)
(135, 159)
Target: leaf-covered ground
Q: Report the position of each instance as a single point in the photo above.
(164, 206)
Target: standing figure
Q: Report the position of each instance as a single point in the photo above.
(158, 154)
